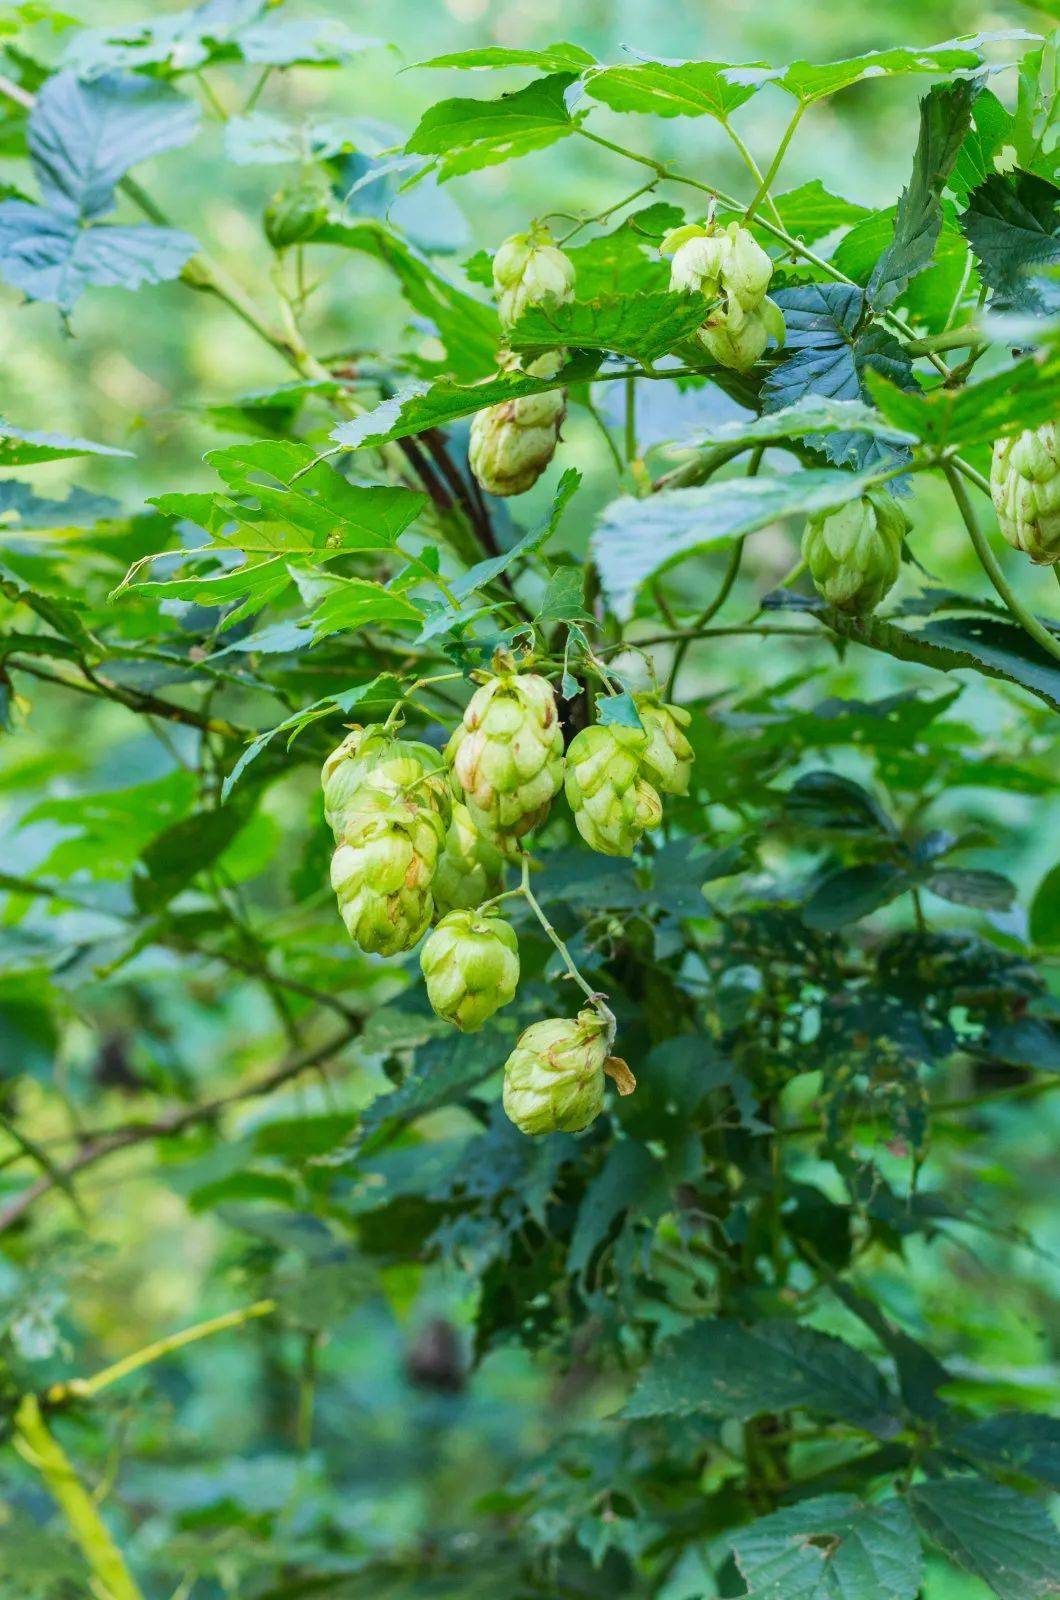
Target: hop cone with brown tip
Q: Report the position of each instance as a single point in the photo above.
(1025, 485)
(383, 869)
(507, 754)
(371, 762)
(854, 554)
(471, 964)
(613, 803)
(554, 1078)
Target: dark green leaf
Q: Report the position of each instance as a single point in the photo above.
(725, 1370)
(1002, 1537)
(832, 1548)
(945, 116)
(1011, 224)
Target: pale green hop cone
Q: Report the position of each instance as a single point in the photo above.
(667, 759)
(470, 868)
(507, 754)
(732, 271)
(513, 442)
(529, 270)
(554, 1078)
(471, 966)
(1025, 486)
(382, 874)
(373, 761)
(613, 804)
(854, 554)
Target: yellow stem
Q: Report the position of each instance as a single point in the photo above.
(43, 1452)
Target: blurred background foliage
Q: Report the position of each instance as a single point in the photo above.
(408, 1450)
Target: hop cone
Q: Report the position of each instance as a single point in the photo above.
(854, 554)
(1025, 484)
(667, 760)
(529, 270)
(470, 868)
(471, 964)
(507, 754)
(554, 1078)
(512, 443)
(731, 270)
(382, 872)
(371, 762)
(612, 803)
(293, 215)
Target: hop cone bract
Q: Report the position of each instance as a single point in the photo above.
(1025, 485)
(471, 964)
(854, 554)
(612, 802)
(554, 1078)
(507, 754)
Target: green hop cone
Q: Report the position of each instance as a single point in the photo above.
(854, 554)
(667, 760)
(372, 761)
(529, 270)
(613, 803)
(382, 873)
(294, 215)
(471, 966)
(470, 868)
(512, 443)
(507, 754)
(731, 270)
(554, 1078)
(1025, 485)
(740, 348)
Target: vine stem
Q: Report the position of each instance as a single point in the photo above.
(774, 167)
(88, 1388)
(37, 1445)
(755, 170)
(796, 246)
(565, 956)
(992, 567)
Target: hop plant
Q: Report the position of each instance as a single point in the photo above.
(471, 966)
(507, 753)
(731, 270)
(854, 554)
(667, 759)
(529, 270)
(293, 215)
(372, 761)
(383, 869)
(1025, 485)
(613, 803)
(554, 1078)
(470, 868)
(513, 442)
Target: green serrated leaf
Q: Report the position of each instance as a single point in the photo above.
(1006, 1539)
(465, 135)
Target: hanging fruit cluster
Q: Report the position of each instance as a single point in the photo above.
(424, 838)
